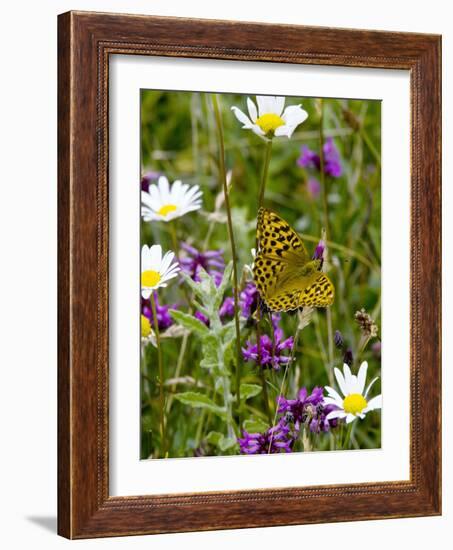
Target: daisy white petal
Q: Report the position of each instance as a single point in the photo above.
(370, 386)
(375, 403)
(242, 117)
(336, 414)
(341, 381)
(279, 104)
(164, 187)
(361, 377)
(333, 401)
(166, 261)
(348, 378)
(266, 105)
(257, 130)
(155, 255)
(350, 418)
(294, 115)
(146, 264)
(333, 393)
(176, 188)
(252, 110)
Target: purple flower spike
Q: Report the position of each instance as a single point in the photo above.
(308, 158)
(248, 300)
(271, 352)
(332, 163)
(348, 358)
(164, 319)
(338, 339)
(211, 261)
(319, 250)
(201, 317)
(276, 439)
(306, 410)
(313, 187)
(148, 178)
(227, 308)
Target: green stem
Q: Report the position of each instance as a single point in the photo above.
(347, 438)
(233, 246)
(265, 393)
(374, 152)
(161, 377)
(182, 352)
(326, 227)
(267, 158)
(321, 170)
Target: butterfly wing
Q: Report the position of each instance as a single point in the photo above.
(281, 258)
(276, 238)
(317, 292)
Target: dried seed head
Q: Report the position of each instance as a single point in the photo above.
(351, 119)
(366, 324)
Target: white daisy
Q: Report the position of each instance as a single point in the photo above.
(156, 271)
(270, 119)
(354, 404)
(165, 202)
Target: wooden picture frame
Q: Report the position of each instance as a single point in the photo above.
(85, 42)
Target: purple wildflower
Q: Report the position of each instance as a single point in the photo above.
(164, 319)
(276, 439)
(348, 358)
(313, 187)
(211, 261)
(201, 317)
(307, 409)
(319, 250)
(338, 339)
(332, 163)
(148, 178)
(270, 352)
(248, 300)
(319, 422)
(227, 308)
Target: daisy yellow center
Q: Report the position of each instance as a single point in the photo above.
(146, 327)
(354, 403)
(166, 209)
(150, 278)
(269, 122)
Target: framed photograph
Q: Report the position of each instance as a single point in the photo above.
(249, 275)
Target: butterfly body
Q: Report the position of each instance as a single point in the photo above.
(286, 277)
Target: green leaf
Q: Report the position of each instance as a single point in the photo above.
(198, 400)
(196, 287)
(254, 425)
(214, 437)
(226, 443)
(210, 356)
(189, 322)
(220, 291)
(219, 440)
(250, 390)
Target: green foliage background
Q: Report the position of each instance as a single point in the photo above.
(178, 138)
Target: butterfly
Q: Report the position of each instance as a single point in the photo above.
(284, 274)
